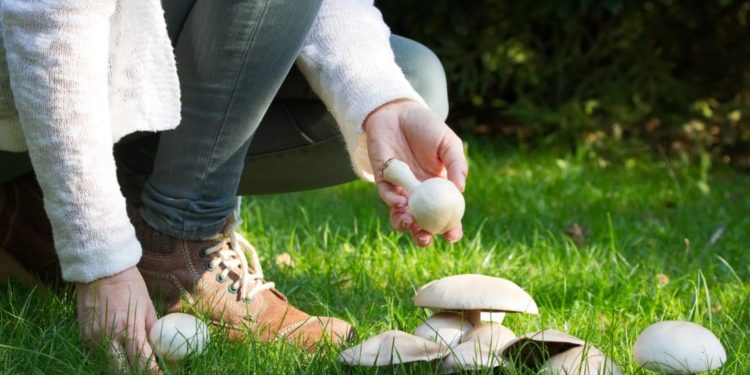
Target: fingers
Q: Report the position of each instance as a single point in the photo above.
(454, 235)
(151, 317)
(392, 195)
(116, 312)
(117, 357)
(139, 352)
(401, 220)
(421, 237)
(452, 154)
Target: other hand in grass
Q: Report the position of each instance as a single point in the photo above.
(408, 131)
(117, 311)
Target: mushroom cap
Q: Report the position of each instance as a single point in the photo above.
(444, 327)
(532, 349)
(493, 335)
(432, 217)
(177, 335)
(580, 360)
(475, 292)
(392, 347)
(470, 355)
(678, 347)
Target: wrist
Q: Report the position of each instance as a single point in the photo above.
(387, 108)
(127, 273)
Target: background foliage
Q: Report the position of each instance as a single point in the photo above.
(674, 74)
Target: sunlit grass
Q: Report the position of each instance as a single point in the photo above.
(656, 245)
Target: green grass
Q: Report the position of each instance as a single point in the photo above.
(647, 219)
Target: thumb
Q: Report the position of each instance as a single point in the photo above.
(452, 155)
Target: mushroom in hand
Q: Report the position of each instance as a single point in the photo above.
(436, 203)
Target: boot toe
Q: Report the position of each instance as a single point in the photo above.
(339, 331)
(321, 329)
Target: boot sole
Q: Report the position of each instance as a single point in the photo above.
(10, 268)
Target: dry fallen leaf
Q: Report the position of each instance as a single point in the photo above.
(284, 260)
(577, 233)
(716, 236)
(662, 280)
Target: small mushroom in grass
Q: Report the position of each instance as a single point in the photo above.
(393, 347)
(436, 203)
(583, 360)
(470, 355)
(175, 336)
(474, 294)
(444, 327)
(480, 348)
(493, 335)
(678, 347)
(535, 348)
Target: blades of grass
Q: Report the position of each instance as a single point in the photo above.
(37, 353)
(731, 269)
(612, 237)
(709, 309)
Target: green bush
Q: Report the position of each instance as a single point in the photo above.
(567, 68)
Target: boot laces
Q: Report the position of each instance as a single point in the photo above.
(233, 258)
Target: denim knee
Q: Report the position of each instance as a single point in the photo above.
(424, 71)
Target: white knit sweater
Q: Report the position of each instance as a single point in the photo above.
(84, 73)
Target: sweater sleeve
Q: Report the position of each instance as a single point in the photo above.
(348, 61)
(57, 53)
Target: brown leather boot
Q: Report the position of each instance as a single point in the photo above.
(213, 278)
(27, 250)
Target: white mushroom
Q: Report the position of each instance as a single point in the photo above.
(473, 294)
(677, 347)
(393, 347)
(494, 336)
(586, 360)
(436, 203)
(443, 327)
(535, 348)
(480, 348)
(177, 335)
(470, 355)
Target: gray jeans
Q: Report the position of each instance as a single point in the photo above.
(248, 126)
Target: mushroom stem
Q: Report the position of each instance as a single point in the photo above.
(474, 317)
(398, 173)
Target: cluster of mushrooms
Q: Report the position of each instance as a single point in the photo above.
(465, 333)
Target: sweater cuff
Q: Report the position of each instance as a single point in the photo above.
(104, 260)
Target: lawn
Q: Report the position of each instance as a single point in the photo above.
(605, 245)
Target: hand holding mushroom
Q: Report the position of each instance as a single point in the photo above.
(435, 204)
(410, 132)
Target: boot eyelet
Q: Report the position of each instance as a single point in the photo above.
(208, 266)
(202, 253)
(220, 279)
(231, 290)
